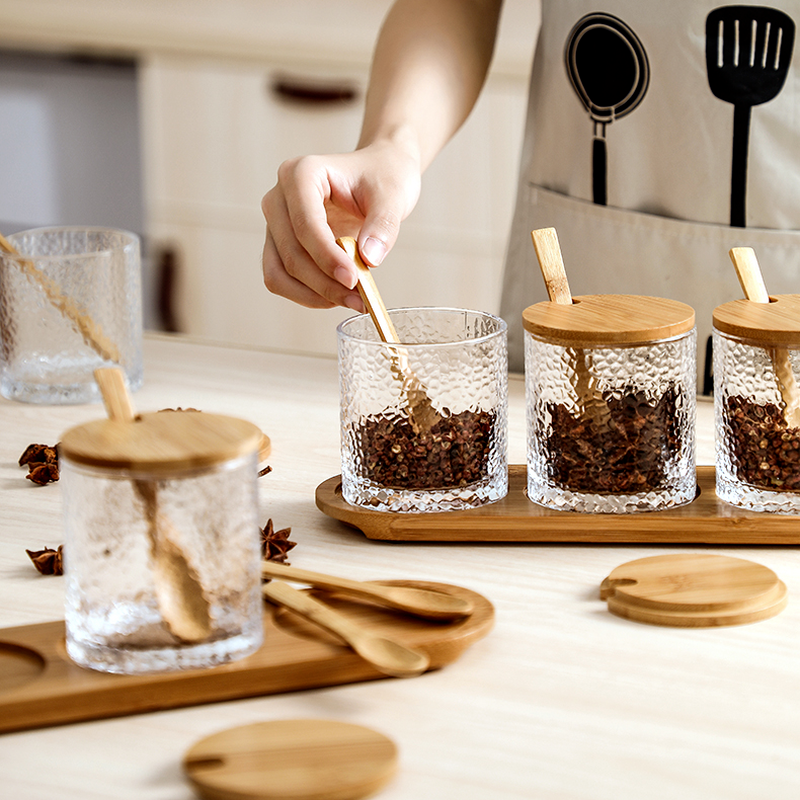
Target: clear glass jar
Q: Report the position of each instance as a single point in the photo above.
(458, 359)
(757, 422)
(610, 397)
(117, 619)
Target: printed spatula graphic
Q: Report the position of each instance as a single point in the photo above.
(748, 52)
(752, 282)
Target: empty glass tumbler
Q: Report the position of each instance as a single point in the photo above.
(70, 302)
(162, 552)
(610, 396)
(757, 403)
(423, 423)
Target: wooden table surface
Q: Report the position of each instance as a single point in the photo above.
(560, 700)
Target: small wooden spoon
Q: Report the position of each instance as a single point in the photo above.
(752, 283)
(421, 412)
(181, 598)
(386, 655)
(548, 251)
(90, 331)
(420, 602)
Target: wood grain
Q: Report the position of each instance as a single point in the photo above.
(301, 759)
(594, 320)
(694, 590)
(295, 655)
(516, 519)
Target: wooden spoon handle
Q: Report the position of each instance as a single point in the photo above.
(114, 390)
(749, 274)
(369, 292)
(548, 251)
(85, 325)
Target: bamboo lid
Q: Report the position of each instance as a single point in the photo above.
(163, 441)
(293, 759)
(776, 322)
(597, 319)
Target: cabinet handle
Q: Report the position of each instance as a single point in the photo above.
(312, 92)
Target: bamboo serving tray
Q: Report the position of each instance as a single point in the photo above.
(706, 520)
(41, 686)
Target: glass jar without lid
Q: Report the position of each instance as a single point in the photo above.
(757, 403)
(610, 398)
(423, 423)
(162, 549)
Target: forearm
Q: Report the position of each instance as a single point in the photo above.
(430, 63)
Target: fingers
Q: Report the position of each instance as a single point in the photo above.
(291, 272)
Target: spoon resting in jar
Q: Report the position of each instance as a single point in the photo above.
(421, 413)
(425, 603)
(752, 283)
(180, 595)
(386, 655)
(590, 398)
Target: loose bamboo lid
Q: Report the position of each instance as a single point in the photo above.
(776, 322)
(603, 319)
(161, 442)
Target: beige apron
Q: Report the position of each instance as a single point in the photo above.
(665, 228)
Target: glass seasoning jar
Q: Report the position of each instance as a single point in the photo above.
(610, 399)
(756, 399)
(457, 361)
(135, 495)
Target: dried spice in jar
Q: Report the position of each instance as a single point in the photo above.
(627, 454)
(454, 452)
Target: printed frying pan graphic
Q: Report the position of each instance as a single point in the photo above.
(608, 68)
(748, 50)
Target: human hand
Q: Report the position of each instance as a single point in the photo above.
(365, 194)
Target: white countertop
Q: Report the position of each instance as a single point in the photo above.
(561, 699)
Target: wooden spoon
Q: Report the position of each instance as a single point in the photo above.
(548, 251)
(181, 598)
(421, 412)
(420, 602)
(386, 655)
(752, 283)
(91, 332)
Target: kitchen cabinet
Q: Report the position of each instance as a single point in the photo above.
(215, 130)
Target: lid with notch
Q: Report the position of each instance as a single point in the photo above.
(162, 441)
(776, 322)
(608, 319)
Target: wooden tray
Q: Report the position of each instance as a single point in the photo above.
(706, 520)
(41, 686)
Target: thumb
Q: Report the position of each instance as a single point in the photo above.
(377, 236)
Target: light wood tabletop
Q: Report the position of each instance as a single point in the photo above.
(561, 700)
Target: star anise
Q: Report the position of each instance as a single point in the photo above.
(42, 462)
(275, 544)
(48, 561)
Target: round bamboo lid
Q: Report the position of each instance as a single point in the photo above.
(598, 319)
(776, 322)
(163, 441)
(293, 759)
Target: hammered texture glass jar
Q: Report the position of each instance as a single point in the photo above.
(197, 493)
(610, 398)
(757, 403)
(460, 359)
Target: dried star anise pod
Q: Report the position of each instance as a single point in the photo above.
(275, 544)
(42, 462)
(48, 561)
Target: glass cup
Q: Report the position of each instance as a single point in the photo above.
(457, 359)
(120, 615)
(610, 418)
(757, 404)
(70, 301)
